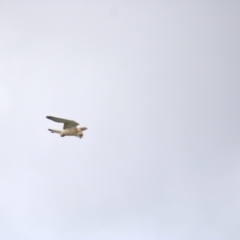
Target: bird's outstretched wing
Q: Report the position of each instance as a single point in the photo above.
(67, 123)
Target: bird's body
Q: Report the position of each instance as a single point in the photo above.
(69, 128)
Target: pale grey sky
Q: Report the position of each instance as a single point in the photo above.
(157, 84)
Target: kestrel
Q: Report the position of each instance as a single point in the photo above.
(69, 128)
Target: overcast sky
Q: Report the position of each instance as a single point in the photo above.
(156, 83)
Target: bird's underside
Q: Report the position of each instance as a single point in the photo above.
(69, 127)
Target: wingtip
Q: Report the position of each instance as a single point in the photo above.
(49, 117)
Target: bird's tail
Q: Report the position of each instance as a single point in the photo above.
(54, 131)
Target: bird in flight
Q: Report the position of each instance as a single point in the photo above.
(69, 127)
